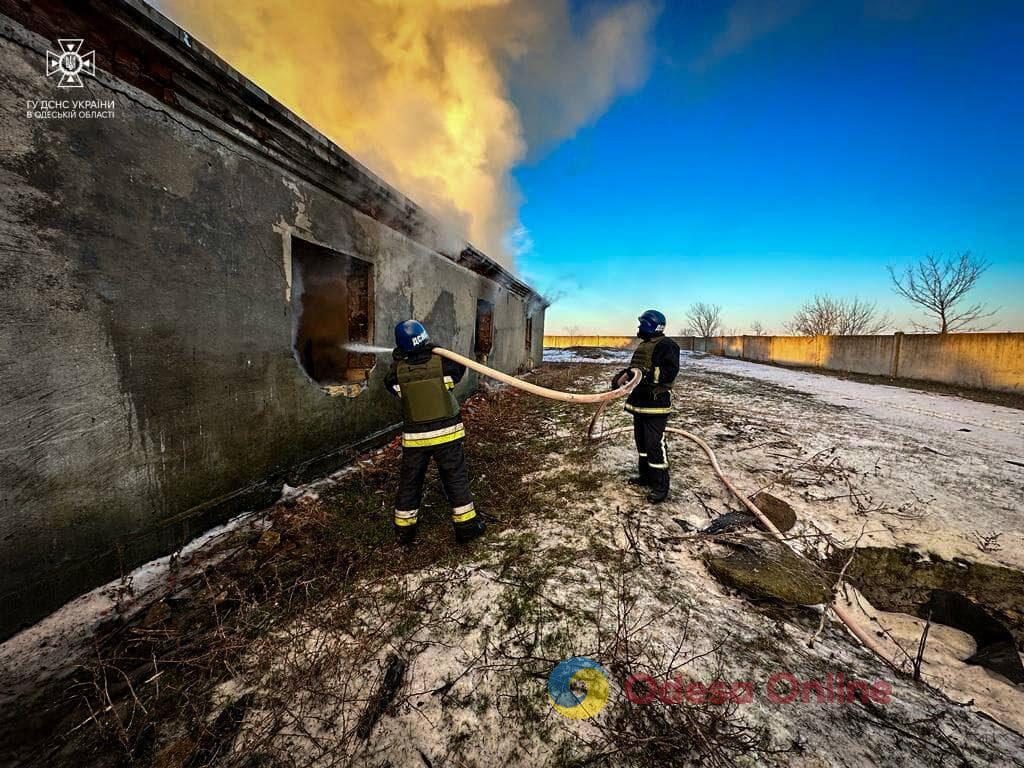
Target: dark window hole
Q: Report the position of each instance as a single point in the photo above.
(332, 305)
(484, 327)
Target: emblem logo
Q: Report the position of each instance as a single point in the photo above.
(70, 63)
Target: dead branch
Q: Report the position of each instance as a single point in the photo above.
(919, 659)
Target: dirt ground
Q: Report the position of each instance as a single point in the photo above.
(309, 638)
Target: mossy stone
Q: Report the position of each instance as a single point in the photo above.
(766, 568)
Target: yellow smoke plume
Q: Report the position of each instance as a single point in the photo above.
(421, 91)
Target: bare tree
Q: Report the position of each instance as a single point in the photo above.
(829, 316)
(704, 319)
(939, 286)
(757, 328)
(815, 318)
(859, 317)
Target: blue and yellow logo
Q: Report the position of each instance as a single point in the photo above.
(582, 671)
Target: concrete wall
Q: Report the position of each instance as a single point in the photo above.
(794, 350)
(860, 354)
(561, 342)
(148, 387)
(981, 360)
(757, 348)
(992, 361)
(732, 346)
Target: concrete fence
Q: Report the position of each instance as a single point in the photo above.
(993, 361)
(981, 360)
(561, 342)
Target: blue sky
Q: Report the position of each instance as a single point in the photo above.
(778, 150)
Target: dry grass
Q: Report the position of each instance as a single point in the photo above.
(286, 600)
(145, 697)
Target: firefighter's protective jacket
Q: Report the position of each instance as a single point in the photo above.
(424, 382)
(658, 358)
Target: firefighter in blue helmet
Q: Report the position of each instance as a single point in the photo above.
(432, 430)
(650, 402)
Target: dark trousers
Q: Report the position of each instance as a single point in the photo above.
(451, 466)
(649, 435)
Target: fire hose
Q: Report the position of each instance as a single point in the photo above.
(533, 389)
(603, 398)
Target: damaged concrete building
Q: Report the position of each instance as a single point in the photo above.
(181, 268)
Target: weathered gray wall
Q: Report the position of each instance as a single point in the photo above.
(148, 387)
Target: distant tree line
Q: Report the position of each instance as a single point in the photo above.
(937, 286)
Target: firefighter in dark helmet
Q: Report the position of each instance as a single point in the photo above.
(432, 430)
(650, 402)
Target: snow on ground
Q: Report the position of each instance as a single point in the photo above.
(601, 573)
(601, 355)
(941, 456)
(945, 420)
(935, 469)
(905, 467)
(942, 664)
(50, 647)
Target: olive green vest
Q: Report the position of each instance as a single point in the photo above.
(425, 394)
(643, 358)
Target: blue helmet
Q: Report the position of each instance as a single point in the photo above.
(652, 321)
(410, 334)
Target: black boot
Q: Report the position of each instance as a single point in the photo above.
(643, 477)
(469, 530)
(406, 534)
(659, 486)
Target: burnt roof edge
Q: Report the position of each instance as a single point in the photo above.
(376, 198)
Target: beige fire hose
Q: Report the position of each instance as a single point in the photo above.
(533, 389)
(603, 398)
